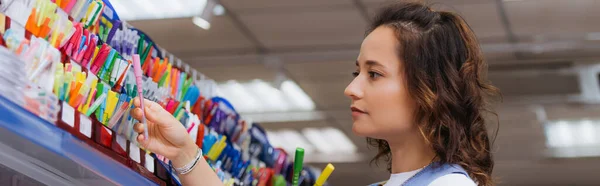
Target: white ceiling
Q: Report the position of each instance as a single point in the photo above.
(316, 42)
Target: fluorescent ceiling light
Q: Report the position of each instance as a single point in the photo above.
(319, 141)
(297, 96)
(272, 98)
(289, 140)
(219, 10)
(258, 96)
(322, 145)
(202, 23)
(574, 133)
(238, 97)
(573, 138)
(327, 140)
(160, 9)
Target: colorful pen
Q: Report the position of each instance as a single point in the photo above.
(96, 104)
(324, 175)
(137, 70)
(298, 161)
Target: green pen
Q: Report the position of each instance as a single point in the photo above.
(96, 104)
(141, 44)
(186, 86)
(178, 109)
(298, 161)
(108, 70)
(145, 54)
(162, 80)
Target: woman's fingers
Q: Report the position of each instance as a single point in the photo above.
(154, 113)
(138, 128)
(144, 141)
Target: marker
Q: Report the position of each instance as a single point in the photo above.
(137, 70)
(324, 175)
(298, 161)
(96, 104)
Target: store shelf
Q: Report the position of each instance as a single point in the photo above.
(40, 151)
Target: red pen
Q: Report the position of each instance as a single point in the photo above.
(100, 59)
(90, 51)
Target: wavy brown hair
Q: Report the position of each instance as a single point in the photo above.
(445, 75)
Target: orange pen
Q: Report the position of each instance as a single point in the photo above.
(44, 30)
(73, 93)
(30, 24)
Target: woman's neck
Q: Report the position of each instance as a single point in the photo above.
(409, 155)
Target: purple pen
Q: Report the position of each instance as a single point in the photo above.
(116, 25)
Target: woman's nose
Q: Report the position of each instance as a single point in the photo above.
(354, 89)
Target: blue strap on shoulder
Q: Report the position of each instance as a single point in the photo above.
(434, 171)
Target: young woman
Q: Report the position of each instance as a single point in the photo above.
(418, 95)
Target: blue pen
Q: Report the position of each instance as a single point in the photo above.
(108, 63)
(103, 106)
(120, 102)
(180, 86)
(82, 43)
(209, 141)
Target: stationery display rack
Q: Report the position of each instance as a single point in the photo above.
(71, 125)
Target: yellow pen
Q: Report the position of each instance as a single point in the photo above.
(93, 57)
(68, 32)
(169, 66)
(180, 115)
(58, 78)
(324, 175)
(54, 36)
(53, 17)
(57, 27)
(89, 11)
(217, 149)
(41, 11)
(83, 107)
(84, 92)
(68, 79)
(111, 103)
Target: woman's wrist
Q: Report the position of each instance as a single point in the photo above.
(185, 155)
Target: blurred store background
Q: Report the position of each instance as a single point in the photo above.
(285, 64)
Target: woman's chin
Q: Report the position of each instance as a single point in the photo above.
(361, 129)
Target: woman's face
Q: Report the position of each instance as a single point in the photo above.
(381, 105)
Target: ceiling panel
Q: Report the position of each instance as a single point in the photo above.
(535, 85)
(574, 111)
(317, 71)
(184, 39)
(238, 5)
(335, 28)
(240, 72)
(553, 16)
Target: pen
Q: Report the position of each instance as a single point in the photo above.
(96, 104)
(137, 70)
(298, 161)
(324, 175)
(118, 114)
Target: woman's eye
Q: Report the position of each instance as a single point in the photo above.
(374, 75)
(355, 74)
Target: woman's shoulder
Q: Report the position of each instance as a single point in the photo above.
(453, 180)
(378, 183)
